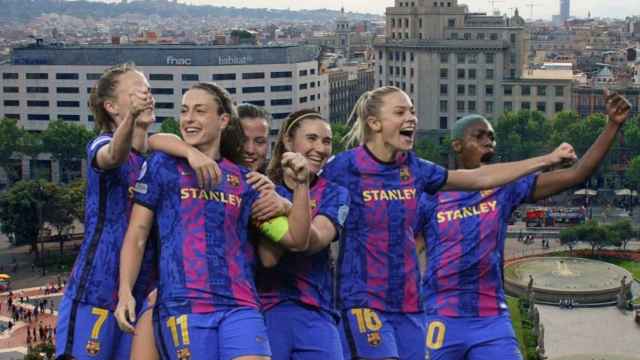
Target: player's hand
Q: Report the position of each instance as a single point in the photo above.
(140, 100)
(295, 167)
(268, 206)
(207, 170)
(618, 107)
(126, 312)
(260, 182)
(563, 154)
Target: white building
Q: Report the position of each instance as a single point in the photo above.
(45, 83)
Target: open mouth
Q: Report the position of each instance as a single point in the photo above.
(408, 133)
(315, 159)
(191, 130)
(487, 157)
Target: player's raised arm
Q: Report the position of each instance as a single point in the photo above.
(549, 183)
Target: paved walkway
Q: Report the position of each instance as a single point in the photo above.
(590, 331)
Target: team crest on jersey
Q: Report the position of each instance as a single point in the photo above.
(487, 193)
(374, 338)
(183, 354)
(233, 180)
(313, 204)
(405, 174)
(93, 347)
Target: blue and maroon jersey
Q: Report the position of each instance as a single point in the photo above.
(465, 235)
(205, 257)
(307, 279)
(109, 198)
(377, 265)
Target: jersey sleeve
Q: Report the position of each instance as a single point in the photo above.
(148, 188)
(335, 207)
(335, 170)
(521, 190)
(432, 176)
(93, 148)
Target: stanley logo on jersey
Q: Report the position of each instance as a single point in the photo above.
(388, 195)
(454, 215)
(218, 196)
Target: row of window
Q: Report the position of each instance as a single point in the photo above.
(507, 90)
(470, 74)
(464, 58)
(470, 106)
(165, 77)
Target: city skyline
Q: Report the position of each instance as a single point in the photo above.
(544, 9)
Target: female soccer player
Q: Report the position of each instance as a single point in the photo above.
(207, 305)
(467, 313)
(378, 275)
(123, 109)
(255, 126)
(296, 294)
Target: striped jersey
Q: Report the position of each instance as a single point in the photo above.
(465, 236)
(302, 278)
(377, 264)
(205, 257)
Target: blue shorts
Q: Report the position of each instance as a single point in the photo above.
(475, 338)
(88, 332)
(222, 335)
(373, 334)
(299, 332)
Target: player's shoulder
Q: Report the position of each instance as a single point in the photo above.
(98, 141)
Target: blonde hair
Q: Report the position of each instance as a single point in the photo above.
(104, 90)
(287, 129)
(368, 104)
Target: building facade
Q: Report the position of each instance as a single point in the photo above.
(45, 83)
(346, 84)
(452, 62)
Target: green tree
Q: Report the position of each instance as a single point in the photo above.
(522, 134)
(66, 142)
(632, 175)
(10, 135)
(622, 232)
(569, 238)
(428, 150)
(597, 236)
(338, 130)
(170, 126)
(631, 133)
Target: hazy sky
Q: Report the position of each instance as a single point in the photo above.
(544, 8)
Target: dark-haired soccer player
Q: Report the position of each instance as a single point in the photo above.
(467, 314)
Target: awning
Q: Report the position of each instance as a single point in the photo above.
(626, 192)
(586, 192)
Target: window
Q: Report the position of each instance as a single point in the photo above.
(280, 102)
(541, 106)
(507, 90)
(38, 117)
(444, 89)
(489, 58)
(312, 71)
(162, 91)
(508, 106)
(304, 72)
(90, 118)
(380, 69)
(253, 76)
(460, 106)
(480, 36)
(444, 58)
(10, 76)
(312, 98)
(252, 89)
(37, 76)
(68, 90)
(223, 77)
(472, 74)
(161, 77)
(390, 70)
(444, 73)
(467, 36)
(303, 86)
(559, 107)
(303, 100)
(488, 106)
(444, 123)
(525, 90)
(473, 58)
(190, 77)
(493, 36)
(472, 90)
(411, 56)
(67, 76)
(256, 102)
(525, 105)
(10, 89)
(404, 56)
(488, 90)
(542, 90)
(471, 105)
(559, 90)
(461, 73)
(489, 74)
(231, 90)
(69, 117)
(93, 76)
(281, 88)
(89, 90)
(12, 103)
(279, 115)
(37, 90)
(444, 106)
(461, 89)
(454, 36)
(513, 38)
(12, 116)
(164, 105)
(404, 71)
(71, 104)
(37, 103)
(461, 58)
(451, 23)
(412, 72)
